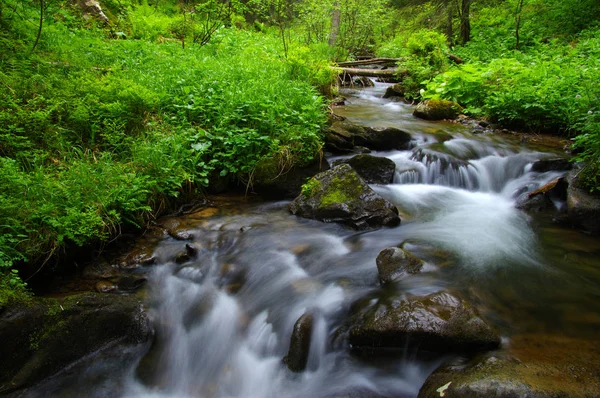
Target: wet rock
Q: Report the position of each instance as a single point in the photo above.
(437, 110)
(340, 195)
(177, 229)
(141, 256)
(439, 322)
(397, 90)
(186, 255)
(44, 337)
(106, 287)
(131, 283)
(273, 181)
(339, 137)
(342, 136)
(384, 139)
(99, 270)
(537, 366)
(583, 209)
(543, 198)
(393, 262)
(372, 169)
(534, 204)
(553, 164)
(297, 356)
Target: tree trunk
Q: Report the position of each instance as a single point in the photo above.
(518, 24)
(449, 27)
(39, 33)
(465, 23)
(370, 72)
(335, 24)
(371, 61)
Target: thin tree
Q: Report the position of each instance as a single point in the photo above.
(465, 23)
(335, 24)
(41, 25)
(518, 22)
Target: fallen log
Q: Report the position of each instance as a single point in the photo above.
(372, 61)
(371, 72)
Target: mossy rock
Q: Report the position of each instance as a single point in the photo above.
(47, 335)
(396, 90)
(439, 322)
(340, 195)
(437, 110)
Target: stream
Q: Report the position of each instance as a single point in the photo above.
(223, 320)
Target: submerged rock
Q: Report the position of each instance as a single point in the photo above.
(373, 169)
(297, 356)
(340, 195)
(394, 261)
(439, 322)
(342, 136)
(46, 336)
(437, 110)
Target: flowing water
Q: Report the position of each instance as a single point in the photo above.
(223, 321)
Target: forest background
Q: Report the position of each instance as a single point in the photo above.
(111, 118)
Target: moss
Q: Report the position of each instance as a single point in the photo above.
(311, 187)
(341, 190)
(333, 197)
(10, 296)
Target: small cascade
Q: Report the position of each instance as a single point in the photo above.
(488, 169)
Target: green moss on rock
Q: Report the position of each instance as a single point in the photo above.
(340, 195)
(437, 110)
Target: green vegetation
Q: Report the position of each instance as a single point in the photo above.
(111, 120)
(311, 187)
(96, 132)
(531, 65)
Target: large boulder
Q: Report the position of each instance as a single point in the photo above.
(543, 198)
(439, 322)
(437, 110)
(583, 208)
(551, 164)
(340, 195)
(396, 90)
(342, 136)
(393, 262)
(372, 169)
(297, 356)
(542, 367)
(45, 336)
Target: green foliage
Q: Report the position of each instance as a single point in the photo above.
(96, 131)
(311, 187)
(423, 54)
